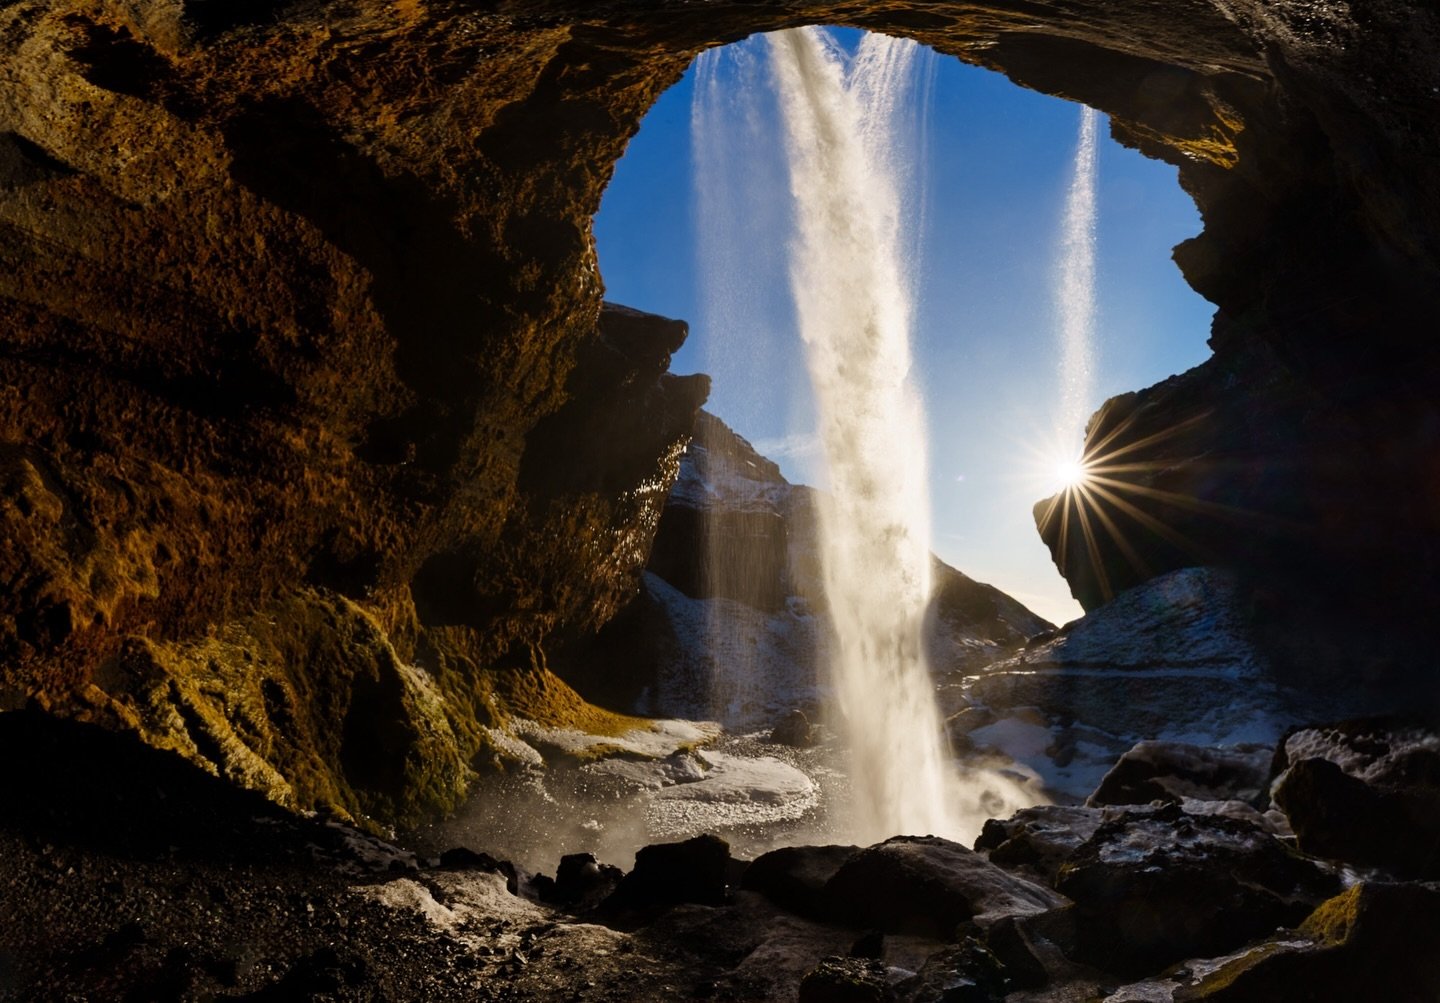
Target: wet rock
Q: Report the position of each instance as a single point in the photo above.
(794, 877)
(846, 980)
(968, 973)
(794, 730)
(1039, 839)
(667, 874)
(1172, 771)
(929, 885)
(1153, 888)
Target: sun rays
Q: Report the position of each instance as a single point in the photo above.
(1112, 501)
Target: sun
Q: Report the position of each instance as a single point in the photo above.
(1071, 473)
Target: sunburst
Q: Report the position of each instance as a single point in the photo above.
(1099, 496)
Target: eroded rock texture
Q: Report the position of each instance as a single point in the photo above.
(300, 322)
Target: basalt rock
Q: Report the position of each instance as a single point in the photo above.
(1153, 888)
(288, 294)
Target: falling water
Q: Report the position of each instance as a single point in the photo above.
(1075, 288)
(850, 284)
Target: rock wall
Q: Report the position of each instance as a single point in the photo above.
(299, 316)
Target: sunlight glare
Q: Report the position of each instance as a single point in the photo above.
(1070, 473)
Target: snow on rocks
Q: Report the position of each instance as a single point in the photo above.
(1171, 660)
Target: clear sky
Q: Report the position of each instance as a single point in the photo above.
(986, 334)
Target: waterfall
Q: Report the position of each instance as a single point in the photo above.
(1075, 289)
(851, 286)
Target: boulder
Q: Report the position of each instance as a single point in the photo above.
(1040, 839)
(795, 877)
(1154, 887)
(794, 730)
(929, 885)
(667, 874)
(1172, 771)
(580, 883)
(462, 858)
(1365, 792)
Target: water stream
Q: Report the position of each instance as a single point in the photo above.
(852, 291)
(1075, 288)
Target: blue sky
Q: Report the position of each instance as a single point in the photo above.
(986, 335)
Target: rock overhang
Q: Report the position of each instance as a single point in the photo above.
(288, 289)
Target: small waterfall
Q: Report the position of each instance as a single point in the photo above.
(1075, 290)
(851, 286)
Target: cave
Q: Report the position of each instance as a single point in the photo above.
(308, 384)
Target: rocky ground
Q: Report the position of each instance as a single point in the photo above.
(129, 875)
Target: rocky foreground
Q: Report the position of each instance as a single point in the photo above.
(1180, 880)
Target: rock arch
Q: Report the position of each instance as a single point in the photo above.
(286, 291)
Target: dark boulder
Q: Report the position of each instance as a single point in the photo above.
(1172, 771)
(580, 883)
(1367, 793)
(461, 858)
(668, 874)
(1040, 839)
(1152, 888)
(968, 973)
(795, 877)
(929, 885)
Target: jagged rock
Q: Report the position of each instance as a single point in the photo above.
(925, 884)
(1152, 888)
(795, 877)
(1173, 771)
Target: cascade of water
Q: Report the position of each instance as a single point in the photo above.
(1075, 287)
(738, 195)
(851, 289)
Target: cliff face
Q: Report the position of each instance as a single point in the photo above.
(731, 622)
(313, 434)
